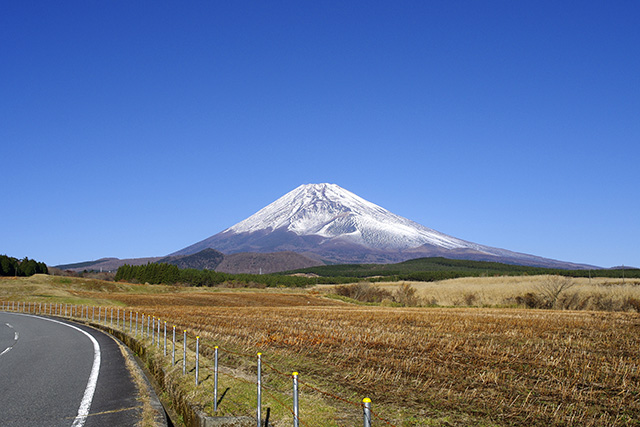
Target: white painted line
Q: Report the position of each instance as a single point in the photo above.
(85, 405)
(15, 338)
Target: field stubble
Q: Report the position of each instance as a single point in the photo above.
(420, 366)
(463, 366)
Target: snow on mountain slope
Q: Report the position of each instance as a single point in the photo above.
(328, 223)
(329, 211)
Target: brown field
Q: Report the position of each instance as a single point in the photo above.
(597, 294)
(420, 366)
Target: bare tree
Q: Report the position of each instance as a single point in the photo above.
(551, 289)
(406, 295)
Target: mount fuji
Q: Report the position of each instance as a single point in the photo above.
(328, 223)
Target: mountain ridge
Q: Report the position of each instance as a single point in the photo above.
(329, 223)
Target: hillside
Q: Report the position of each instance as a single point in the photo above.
(257, 263)
(208, 259)
(329, 223)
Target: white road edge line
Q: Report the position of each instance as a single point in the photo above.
(85, 405)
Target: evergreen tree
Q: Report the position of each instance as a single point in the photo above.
(8, 266)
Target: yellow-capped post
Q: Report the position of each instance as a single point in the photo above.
(184, 354)
(366, 404)
(296, 406)
(197, 357)
(259, 405)
(215, 380)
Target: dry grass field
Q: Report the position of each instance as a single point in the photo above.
(420, 366)
(597, 294)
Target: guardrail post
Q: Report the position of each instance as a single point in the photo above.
(197, 358)
(215, 380)
(153, 330)
(111, 324)
(366, 404)
(165, 337)
(296, 411)
(136, 324)
(173, 352)
(184, 354)
(259, 409)
(158, 336)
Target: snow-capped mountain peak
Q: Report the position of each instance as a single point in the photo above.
(329, 223)
(329, 211)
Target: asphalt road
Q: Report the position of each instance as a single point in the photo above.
(54, 373)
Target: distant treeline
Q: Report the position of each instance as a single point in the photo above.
(10, 266)
(170, 274)
(438, 268)
(419, 270)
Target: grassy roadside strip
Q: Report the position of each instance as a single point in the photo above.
(237, 387)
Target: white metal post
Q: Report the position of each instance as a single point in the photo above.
(367, 411)
(173, 352)
(197, 358)
(215, 381)
(296, 412)
(184, 354)
(259, 406)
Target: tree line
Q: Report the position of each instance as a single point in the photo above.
(438, 268)
(169, 274)
(10, 266)
(161, 273)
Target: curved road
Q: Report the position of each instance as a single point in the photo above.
(56, 373)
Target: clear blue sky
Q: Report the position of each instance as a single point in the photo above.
(133, 129)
